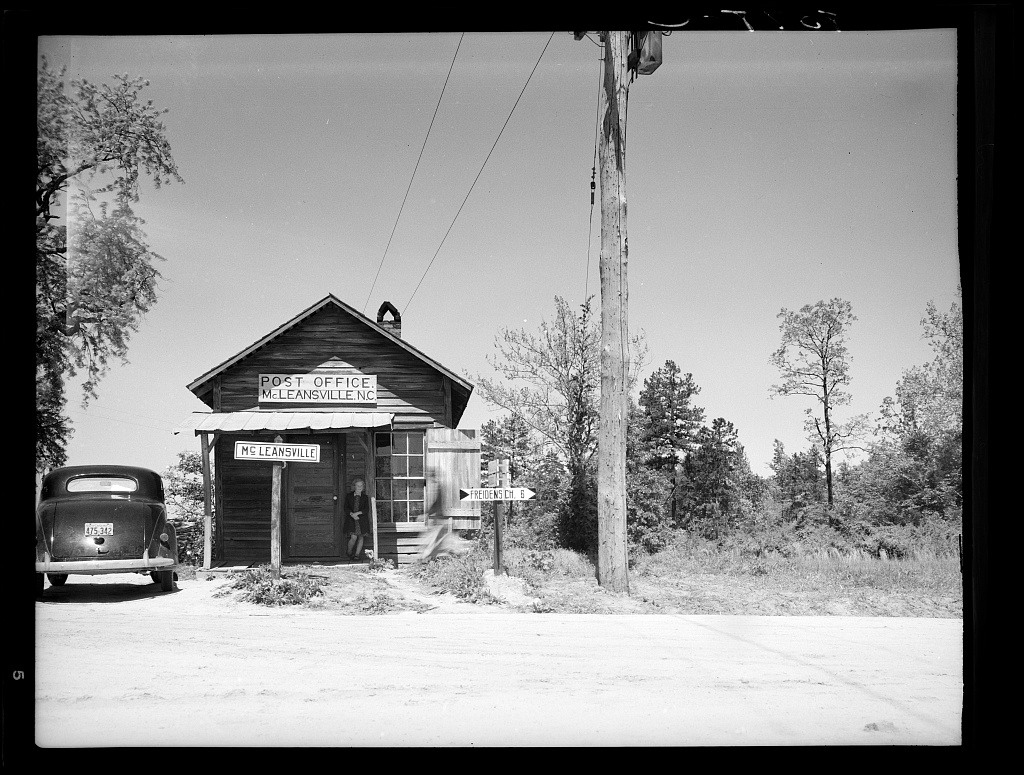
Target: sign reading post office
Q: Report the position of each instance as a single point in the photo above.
(318, 388)
(287, 453)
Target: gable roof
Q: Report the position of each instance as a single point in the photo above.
(457, 382)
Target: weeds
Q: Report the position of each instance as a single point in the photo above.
(462, 576)
(257, 585)
(378, 565)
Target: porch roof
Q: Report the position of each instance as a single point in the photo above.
(209, 422)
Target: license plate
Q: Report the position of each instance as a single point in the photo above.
(99, 528)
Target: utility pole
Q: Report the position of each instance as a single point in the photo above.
(624, 52)
(612, 568)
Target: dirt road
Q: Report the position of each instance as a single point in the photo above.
(119, 664)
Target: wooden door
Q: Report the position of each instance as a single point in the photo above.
(313, 523)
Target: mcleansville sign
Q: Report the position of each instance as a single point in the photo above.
(288, 453)
(318, 388)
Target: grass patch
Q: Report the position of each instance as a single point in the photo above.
(339, 589)
(185, 572)
(694, 576)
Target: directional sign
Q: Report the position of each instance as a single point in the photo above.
(496, 494)
(289, 453)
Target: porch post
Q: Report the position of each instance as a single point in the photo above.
(275, 518)
(207, 509)
(371, 487)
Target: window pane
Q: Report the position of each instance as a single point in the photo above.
(415, 466)
(399, 466)
(415, 443)
(415, 512)
(383, 444)
(384, 466)
(416, 490)
(401, 511)
(383, 489)
(102, 484)
(384, 511)
(401, 442)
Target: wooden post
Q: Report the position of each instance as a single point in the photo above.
(492, 481)
(612, 569)
(371, 485)
(499, 519)
(207, 506)
(275, 519)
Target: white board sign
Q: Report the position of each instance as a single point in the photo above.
(496, 494)
(318, 388)
(288, 453)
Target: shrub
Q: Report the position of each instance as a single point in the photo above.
(762, 541)
(931, 539)
(572, 564)
(461, 576)
(577, 514)
(529, 565)
(190, 540)
(376, 603)
(530, 528)
(377, 565)
(296, 587)
(648, 515)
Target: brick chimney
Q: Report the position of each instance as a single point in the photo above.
(394, 325)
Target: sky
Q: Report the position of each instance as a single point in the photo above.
(764, 170)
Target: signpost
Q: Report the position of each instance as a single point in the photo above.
(281, 454)
(497, 474)
(496, 494)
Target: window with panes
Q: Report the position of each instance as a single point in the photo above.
(400, 484)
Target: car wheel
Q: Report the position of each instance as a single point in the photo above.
(57, 579)
(167, 580)
(155, 576)
(39, 585)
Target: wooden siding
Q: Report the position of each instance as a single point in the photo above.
(406, 386)
(244, 504)
(400, 542)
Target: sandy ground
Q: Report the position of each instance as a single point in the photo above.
(191, 669)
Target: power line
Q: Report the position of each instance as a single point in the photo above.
(167, 428)
(408, 303)
(400, 209)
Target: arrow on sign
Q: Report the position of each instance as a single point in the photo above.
(496, 494)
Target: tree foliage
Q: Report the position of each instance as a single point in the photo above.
(713, 477)
(814, 361)
(798, 480)
(685, 475)
(186, 506)
(509, 438)
(916, 464)
(95, 277)
(669, 422)
(551, 380)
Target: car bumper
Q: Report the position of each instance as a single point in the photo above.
(93, 567)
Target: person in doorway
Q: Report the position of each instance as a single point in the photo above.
(356, 524)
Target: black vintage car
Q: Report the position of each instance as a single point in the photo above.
(103, 519)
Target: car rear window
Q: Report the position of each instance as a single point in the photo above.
(102, 484)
